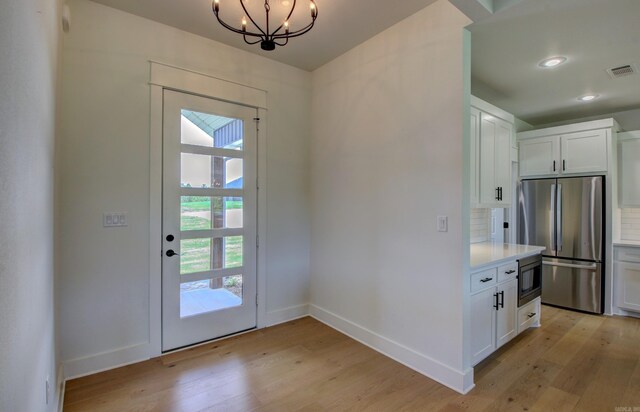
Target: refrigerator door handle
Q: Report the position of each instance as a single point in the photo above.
(559, 220)
(592, 266)
(552, 209)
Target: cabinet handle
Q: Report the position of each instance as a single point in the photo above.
(564, 165)
(495, 305)
(485, 280)
(500, 191)
(508, 272)
(554, 165)
(532, 314)
(497, 193)
(502, 299)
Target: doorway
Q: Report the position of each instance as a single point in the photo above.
(209, 157)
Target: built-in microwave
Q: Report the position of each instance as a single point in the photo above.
(529, 279)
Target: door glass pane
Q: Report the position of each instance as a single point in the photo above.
(204, 171)
(203, 129)
(210, 295)
(199, 255)
(205, 212)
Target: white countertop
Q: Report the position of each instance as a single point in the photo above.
(632, 243)
(486, 253)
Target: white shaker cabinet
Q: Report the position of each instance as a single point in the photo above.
(491, 140)
(493, 311)
(566, 150)
(506, 323)
(584, 152)
(539, 156)
(629, 169)
(626, 274)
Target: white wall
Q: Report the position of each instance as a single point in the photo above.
(104, 167)
(387, 157)
(29, 45)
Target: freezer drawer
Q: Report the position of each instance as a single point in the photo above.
(572, 284)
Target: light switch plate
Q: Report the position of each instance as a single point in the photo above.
(114, 219)
(443, 223)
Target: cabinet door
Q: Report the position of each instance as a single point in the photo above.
(506, 323)
(539, 156)
(483, 324)
(627, 278)
(502, 159)
(475, 155)
(584, 152)
(488, 131)
(629, 189)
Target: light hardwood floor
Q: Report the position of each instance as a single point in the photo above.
(574, 362)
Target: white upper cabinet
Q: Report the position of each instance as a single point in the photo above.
(491, 141)
(566, 150)
(584, 152)
(539, 156)
(475, 155)
(629, 169)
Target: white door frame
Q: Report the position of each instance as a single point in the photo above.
(163, 76)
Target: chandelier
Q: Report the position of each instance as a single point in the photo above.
(268, 39)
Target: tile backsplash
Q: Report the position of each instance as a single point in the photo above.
(480, 221)
(630, 224)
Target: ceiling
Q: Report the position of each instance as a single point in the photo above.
(594, 35)
(341, 24)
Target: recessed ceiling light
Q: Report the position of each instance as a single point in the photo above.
(552, 62)
(587, 97)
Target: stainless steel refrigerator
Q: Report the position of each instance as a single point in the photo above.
(567, 216)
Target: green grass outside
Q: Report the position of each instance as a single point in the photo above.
(196, 257)
(205, 205)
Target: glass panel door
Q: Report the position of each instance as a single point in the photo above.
(209, 219)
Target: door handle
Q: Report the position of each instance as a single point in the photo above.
(171, 253)
(502, 299)
(592, 266)
(564, 165)
(554, 165)
(495, 305)
(552, 208)
(559, 220)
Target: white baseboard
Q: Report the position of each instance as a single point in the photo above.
(459, 381)
(88, 365)
(622, 312)
(60, 387)
(285, 315)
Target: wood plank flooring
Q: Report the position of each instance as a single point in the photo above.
(574, 362)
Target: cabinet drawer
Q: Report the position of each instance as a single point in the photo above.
(529, 315)
(626, 254)
(508, 271)
(484, 279)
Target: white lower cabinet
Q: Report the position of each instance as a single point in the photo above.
(506, 325)
(493, 318)
(529, 315)
(626, 275)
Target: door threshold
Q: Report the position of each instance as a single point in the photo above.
(198, 344)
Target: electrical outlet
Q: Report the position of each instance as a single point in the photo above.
(114, 219)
